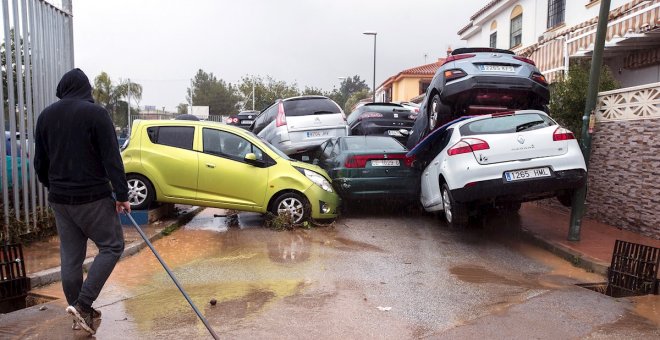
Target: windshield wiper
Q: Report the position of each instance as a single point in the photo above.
(322, 112)
(528, 125)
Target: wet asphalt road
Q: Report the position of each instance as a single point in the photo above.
(374, 274)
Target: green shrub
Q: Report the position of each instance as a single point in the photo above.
(568, 96)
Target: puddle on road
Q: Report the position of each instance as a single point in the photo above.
(648, 307)
(478, 274)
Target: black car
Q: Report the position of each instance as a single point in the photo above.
(243, 119)
(474, 81)
(382, 119)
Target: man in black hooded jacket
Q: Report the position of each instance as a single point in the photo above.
(77, 158)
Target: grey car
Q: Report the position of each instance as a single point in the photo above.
(474, 81)
(300, 124)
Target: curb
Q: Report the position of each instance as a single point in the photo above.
(47, 276)
(576, 258)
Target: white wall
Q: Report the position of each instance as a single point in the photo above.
(535, 20)
(636, 77)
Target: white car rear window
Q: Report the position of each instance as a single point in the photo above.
(507, 124)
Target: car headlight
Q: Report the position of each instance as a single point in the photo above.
(317, 179)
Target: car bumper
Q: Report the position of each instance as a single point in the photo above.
(524, 190)
(494, 83)
(318, 197)
(377, 187)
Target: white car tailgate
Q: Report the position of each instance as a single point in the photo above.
(320, 126)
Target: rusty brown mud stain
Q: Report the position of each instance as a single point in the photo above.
(480, 275)
(351, 245)
(648, 307)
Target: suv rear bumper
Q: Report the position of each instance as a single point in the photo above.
(494, 83)
(520, 191)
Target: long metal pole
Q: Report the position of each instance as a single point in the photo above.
(12, 109)
(128, 113)
(374, 81)
(579, 197)
(4, 181)
(18, 49)
(27, 52)
(169, 272)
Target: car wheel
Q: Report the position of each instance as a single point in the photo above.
(566, 198)
(293, 204)
(140, 192)
(510, 207)
(438, 113)
(456, 213)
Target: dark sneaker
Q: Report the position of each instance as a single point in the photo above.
(82, 318)
(96, 314)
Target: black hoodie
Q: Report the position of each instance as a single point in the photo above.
(76, 152)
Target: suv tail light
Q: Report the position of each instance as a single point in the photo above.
(539, 78)
(458, 57)
(562, 134)
(281, 117)
(454, 74)
(525, 60)
(467, 145)
(366, 115)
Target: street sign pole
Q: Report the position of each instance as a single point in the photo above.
(579, 197)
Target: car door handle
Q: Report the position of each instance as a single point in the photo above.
(209, 165)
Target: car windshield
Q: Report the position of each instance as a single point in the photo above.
(303, 107)
(506, 124)
(274, 149)
(366, 143)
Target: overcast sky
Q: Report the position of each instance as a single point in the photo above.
(162, 43)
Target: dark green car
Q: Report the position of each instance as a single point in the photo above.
(368, 167)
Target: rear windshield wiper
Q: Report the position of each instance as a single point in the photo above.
(528, 125)
(323, 112)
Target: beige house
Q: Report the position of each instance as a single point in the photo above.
(407, 84)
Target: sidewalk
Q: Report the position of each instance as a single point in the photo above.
(548, 228)
(42, 258)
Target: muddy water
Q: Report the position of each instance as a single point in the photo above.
(648, 307)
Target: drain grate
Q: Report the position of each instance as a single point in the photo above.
(634, 269)
(14, 283)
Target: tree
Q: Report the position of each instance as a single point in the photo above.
(182, 108)
(311, 90)
(265, 91)
(207, 90)
(109, 96)
(568, 95)
(348, 87)
(355, 98)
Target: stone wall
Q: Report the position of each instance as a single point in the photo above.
(624, 175)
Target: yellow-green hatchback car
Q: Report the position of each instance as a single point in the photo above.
(216, 165)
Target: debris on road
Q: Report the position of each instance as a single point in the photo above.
(384, 309)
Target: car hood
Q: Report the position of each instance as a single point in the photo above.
(311, 167)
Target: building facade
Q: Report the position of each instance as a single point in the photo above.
(407, 84)
(624, 185)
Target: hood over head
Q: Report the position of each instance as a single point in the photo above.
(75, 85)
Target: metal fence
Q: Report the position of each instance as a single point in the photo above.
(37, 50)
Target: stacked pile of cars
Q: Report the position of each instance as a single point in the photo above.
(481, 138)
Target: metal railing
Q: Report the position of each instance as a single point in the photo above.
(39, 37)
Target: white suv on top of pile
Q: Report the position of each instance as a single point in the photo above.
(499, 159)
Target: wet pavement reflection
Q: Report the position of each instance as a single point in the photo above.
(330, 281)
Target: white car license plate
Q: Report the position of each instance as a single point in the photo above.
(394, 133)
(312, 134)
(385, 162)
(526, 174)
(246, 121)
(497, 68)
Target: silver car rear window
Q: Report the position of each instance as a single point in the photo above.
(304, 107)
(507, 124)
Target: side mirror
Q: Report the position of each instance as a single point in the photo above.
(252, 160)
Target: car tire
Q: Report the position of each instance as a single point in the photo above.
(438, 113)
(141, 192)
(566, 198)
(456, 213)
(295, 204)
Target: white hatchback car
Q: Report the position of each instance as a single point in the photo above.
(501, 159)
(299, 124)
